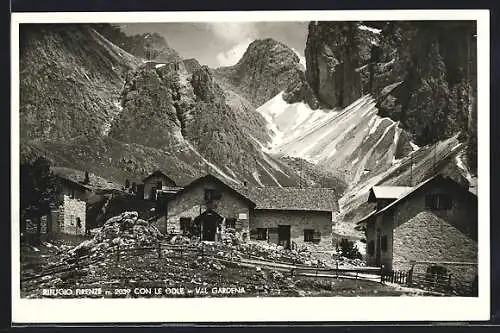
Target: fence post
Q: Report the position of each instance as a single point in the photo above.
(409, 279)
(449, 280)
(337, 268)
(159, 250)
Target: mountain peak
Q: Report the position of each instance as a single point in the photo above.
(271, 51)
(267, 68)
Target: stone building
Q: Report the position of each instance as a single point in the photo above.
(434, 222)
(157, 181)
(384, 195)
(79, 191)
(70, 216)
(292, 216)
(208, 205)
(284, 216)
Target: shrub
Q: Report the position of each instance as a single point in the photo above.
(349, 250)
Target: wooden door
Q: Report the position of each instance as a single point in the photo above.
(284, 236)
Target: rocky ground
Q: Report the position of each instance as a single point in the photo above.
(139, 269)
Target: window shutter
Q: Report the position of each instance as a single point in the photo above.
(272, 234)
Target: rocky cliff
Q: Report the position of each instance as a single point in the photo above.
(148, 46)
(334, 52)
(266, 68)
(421, 74)
(64, 92)
(87, 104)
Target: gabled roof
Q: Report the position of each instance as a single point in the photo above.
(73, 183)
(415, 190)
(292, 198)
(75, 177)
(158, 173)
(211, 177)
(388, 192)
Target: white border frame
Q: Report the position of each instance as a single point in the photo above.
(262, 309)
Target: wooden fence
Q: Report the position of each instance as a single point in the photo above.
(400, 277)
(368, 273)
(446, 284)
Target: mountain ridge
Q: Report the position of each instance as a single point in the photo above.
(146, 94)
(90, 105)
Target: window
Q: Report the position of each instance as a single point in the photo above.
(383, 243)
(72, 194)
(261, 233)
(438, 201)
(185, 223)
(371, 248)
(211, 194)
(159, 185)
(308, 235)
(231, 223)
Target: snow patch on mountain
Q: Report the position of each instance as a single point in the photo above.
(287, 121)
(255, 175)
(213, 166)
(270, 174)
(414, 146)
(302, 59)
(367, 28)
(113, 114)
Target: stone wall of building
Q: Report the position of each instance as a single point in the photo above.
(191, 203)
(69, 211)
(151, 182)
(423, 234)
(379, 227)
(298, 221)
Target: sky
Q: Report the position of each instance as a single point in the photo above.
(222, 43)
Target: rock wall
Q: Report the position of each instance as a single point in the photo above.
(334, 52)
(421, 73)
(298, 221)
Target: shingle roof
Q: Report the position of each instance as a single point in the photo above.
(390, 192)
(292, 198)
(77, 176)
